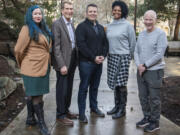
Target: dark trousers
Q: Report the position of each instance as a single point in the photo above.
(149, 93)
(64, 87)
(90, 75)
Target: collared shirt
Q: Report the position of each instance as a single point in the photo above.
(96, 29)
(70, 31)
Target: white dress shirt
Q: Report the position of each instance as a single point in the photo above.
(70, 31)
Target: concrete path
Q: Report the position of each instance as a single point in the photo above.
(98, 126)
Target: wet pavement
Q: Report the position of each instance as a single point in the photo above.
(99, 126)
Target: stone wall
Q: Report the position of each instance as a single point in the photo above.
(7, 48)
(8, 67)
(7, 86)
(8, 76)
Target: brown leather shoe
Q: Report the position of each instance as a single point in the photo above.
(72, 115)
(65, 121)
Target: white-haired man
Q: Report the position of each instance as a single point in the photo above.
(148, 55)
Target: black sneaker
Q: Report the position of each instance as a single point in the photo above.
(144, 122)
(97, 112)
(83, 119)
(153, 126)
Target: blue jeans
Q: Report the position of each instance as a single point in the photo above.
(90, 75)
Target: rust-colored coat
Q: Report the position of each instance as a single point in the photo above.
(32, 57)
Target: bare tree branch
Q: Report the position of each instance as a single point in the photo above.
(4, 5)
(15, 3)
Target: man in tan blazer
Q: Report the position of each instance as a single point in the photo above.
(64, 61)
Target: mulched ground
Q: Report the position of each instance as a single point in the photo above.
(10, 107)
(170, 97)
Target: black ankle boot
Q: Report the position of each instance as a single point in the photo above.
(116, 102)
(31, 121)
(40, 115)
(122, 109)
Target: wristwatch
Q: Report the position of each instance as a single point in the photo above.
(144, 65)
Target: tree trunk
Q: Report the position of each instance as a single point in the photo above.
(135, 15)
(176, 31)
(171, 24)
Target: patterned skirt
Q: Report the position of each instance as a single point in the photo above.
(118, 70)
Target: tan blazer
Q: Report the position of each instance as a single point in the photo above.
(62, 47)
(32, 57)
